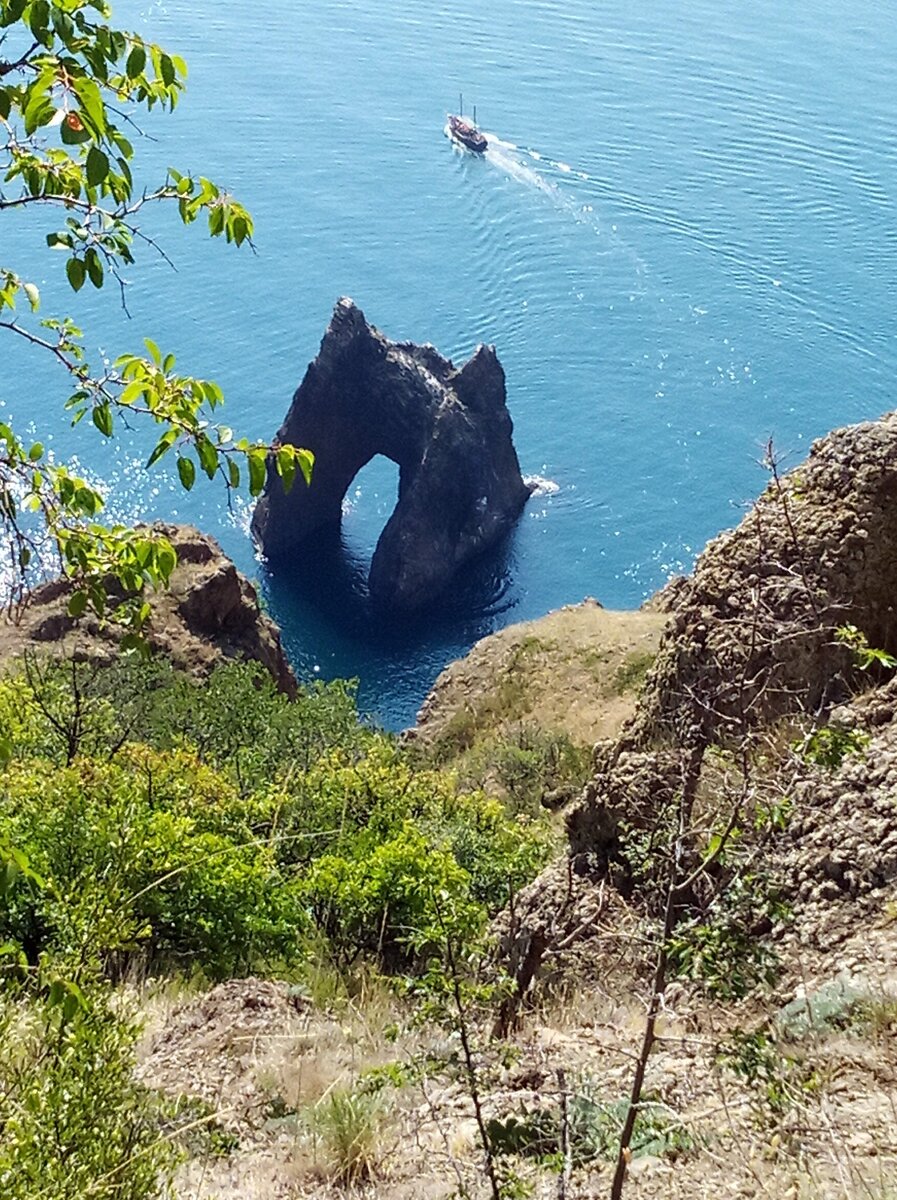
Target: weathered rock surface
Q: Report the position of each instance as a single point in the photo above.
(447, 428)
(209, 614)
(751, 657)
(754, 626)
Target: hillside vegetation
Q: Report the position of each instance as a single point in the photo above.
(252, 947)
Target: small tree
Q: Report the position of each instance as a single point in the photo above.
(69, 82)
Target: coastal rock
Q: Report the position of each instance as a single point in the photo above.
(209, 614)
(759, 647)
(753, 633)
(447, 428)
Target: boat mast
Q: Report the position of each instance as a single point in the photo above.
(474, 116)
(460, 104)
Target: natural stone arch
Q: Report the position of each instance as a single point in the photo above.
(447, 429)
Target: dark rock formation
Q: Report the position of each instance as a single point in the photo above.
(448, 430)
(209, 614)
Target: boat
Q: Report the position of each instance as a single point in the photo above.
(466, 133)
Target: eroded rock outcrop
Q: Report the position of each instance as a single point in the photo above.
(753, 631)
(447, 428)
(758, 698)
(209, 614)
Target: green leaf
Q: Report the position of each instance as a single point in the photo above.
(97, 166)
(164, 444)
(208, 455)
(286, 466)
(72, 131)
(233, 473)
(94, 265)
(187, 472)
(92, 105)
(76, 272)
(39, 18)
(166, 70)
(39, 109)
(155, 352)
(77, 604)
(257, 471)
(36, 452)
(102, 418)
(166, 560)
(306, 464)
(5, 104)
(60, 241)
(136, 62)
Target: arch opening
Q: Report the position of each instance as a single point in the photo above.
(369, 502)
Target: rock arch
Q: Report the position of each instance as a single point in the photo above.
(449, 431)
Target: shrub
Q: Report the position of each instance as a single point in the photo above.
(531, 761)
(74, 1122)
(259, 813)
(155, 852)
(594, 1126)
(394, 841)
(236, 719)
(387, 900)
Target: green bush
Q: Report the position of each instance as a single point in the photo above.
(396, 840)
(247, 820)
(530, 761)
(75, 1123)
(385, 901)
(155, 852)
(236, 719)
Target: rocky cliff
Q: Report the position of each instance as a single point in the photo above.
(771, 693)
(771, 709)
(447, 428)
(209, 614)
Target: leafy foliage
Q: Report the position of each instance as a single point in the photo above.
(218, 823)
(778, 1081)
(152, 853)
(829, 746)
(722, 949)
(594, 1130)
(75, 1123)
(402, 843)
(68, 84)
(864, 655)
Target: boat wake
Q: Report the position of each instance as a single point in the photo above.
(559, 181)
(572, 192)
(510, 159)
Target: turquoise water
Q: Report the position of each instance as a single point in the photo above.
(682, 241)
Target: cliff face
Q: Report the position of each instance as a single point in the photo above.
(762, 695)
(754, 629)
(763, 709)
(449, 431)
(209, 614)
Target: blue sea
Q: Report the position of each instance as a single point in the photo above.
(682, 241)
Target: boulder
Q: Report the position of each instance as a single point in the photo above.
(447, 428)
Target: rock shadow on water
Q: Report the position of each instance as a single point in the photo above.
(329, 591)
